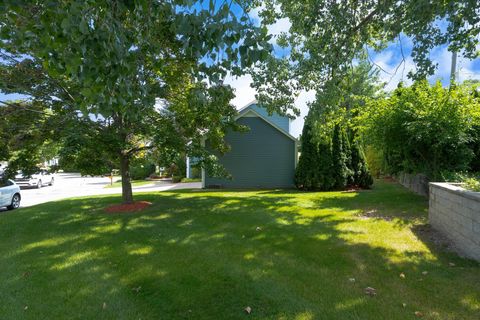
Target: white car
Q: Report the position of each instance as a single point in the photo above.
(37, 180)
(9, 194)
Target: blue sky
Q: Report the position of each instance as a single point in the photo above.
(388, 61)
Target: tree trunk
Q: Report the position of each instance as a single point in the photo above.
(127, 195)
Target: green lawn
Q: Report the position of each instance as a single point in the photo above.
(210, 254)
(135, 183)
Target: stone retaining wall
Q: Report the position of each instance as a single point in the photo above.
(417, 183)
(455, 212)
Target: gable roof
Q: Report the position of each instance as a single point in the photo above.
(245, 110)
(248, 105)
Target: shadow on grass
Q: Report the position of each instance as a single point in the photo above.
(209, 254)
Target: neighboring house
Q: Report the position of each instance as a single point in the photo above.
(263, 157)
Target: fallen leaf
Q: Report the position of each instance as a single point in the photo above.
(351, 279)
(248, 310)
(104, 306)
(404, 305)
(402, 275)
(418, 314)
(25, 308)
(370, 291)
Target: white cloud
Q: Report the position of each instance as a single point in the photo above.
(301, 102)
(282, 25)
(393, 69)
(389, 60)
(466, 69)
(243, 92)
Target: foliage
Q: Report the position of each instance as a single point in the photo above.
(27, 138)
(313, 161)
(87, 147)
(340, 151)
(472, 184)
(177, 179)
(360, 172)
(326, 36)
(374, 159)
(331, 164)
(470, 180)
(144, 74)
(422, 128)
(141, 168)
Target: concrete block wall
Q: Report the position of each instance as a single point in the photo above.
(455, 212)
(417, 183)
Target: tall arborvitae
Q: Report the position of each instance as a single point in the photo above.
(347, 149)
(306, 173)
(361, 175)
(339, 158)
(328, 165)
(324, 166)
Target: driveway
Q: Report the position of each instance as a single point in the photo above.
(69, 185)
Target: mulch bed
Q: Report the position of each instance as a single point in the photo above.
(130, 207)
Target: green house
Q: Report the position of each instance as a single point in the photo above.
(263, 157)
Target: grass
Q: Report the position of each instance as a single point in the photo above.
(135, 183)
(185, 180)
(209, 254)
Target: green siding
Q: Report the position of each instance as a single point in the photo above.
(280, 121)
(260, 158)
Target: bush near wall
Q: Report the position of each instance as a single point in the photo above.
(423, 128)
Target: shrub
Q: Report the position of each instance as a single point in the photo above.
(472, 184)
(141, 168)
(360, 172)
(176, 179)
(422, 128)
(340, 172)
(306, 174)
(331, 163)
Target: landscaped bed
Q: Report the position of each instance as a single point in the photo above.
(212, 254)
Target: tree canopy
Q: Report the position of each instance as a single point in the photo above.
(326, 37)
(135, 75)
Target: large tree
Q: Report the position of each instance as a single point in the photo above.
(326, 36)
(135, 74)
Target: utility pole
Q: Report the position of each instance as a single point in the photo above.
(453, 70)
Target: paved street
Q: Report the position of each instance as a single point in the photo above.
(69, 185)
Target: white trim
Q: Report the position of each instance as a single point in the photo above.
(203, 168)
(249, 114)
(247, 105)
(242, 114)
(296, 153)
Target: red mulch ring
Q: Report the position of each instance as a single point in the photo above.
(130, 207)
